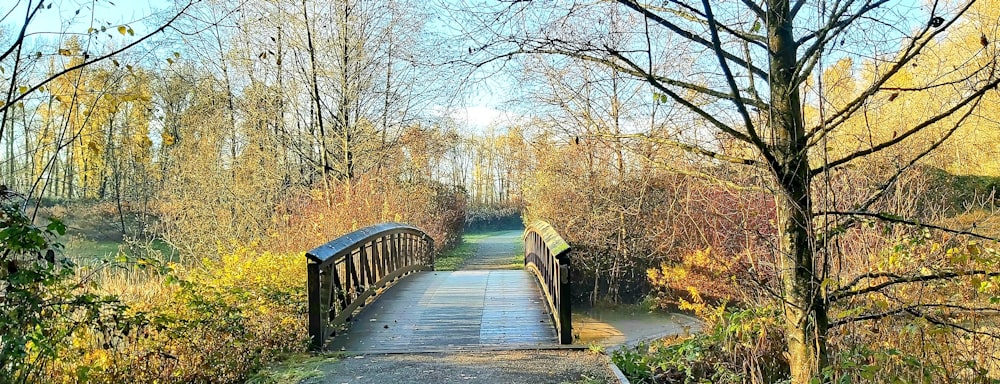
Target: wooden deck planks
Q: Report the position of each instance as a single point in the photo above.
(461, 310)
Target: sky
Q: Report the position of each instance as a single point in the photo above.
(78, 15)
(481, 110)
(483, 107)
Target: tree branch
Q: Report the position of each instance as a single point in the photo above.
(843, 294)
(913, 48)
(899, 220)
(85, 63)
(635, 6)
(910, 309)
(717, 47)
(686, 103)
(919, 127)
(686, 147)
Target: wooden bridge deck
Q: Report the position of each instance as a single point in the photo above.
(461, 310)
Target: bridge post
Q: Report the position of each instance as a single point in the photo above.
(565, 302)
(430, 251)
(316, 323)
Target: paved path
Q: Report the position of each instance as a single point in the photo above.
(503, 250)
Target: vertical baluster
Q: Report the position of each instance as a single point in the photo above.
(405, 246)
(348, 269)
(383, 257)
(329, 290)
(405, 260)
(339, 287)
(369, 263)
(393, 252)
(362, 269)
(410, 251)
(430, 253)
(355, 283)
(401, 257)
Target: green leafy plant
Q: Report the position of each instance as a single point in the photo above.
(42, 302)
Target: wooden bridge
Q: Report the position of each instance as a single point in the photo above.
(375, 290)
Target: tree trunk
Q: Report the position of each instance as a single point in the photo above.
(804, 309)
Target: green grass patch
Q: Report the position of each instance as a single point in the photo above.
(294, 369)
(80, 248)
(516, 261)
(474, 237)
(83, 249)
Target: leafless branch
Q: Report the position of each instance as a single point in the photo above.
(635, 6)
(912, 131)
(687, 148)
(106, 56)
(913, 48)
(847, 293)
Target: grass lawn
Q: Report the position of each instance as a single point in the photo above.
(516, 261)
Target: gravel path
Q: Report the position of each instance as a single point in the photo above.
(483, 367)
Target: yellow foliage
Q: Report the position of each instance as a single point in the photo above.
(699, 273)
(219, 323)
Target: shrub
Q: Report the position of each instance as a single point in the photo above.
(218, 323)
(317, 217)
(698, 275)
(737, 346)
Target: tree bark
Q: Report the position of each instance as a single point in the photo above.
(804, 310)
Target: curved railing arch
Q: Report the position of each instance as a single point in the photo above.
(348, 271)
(546, 255)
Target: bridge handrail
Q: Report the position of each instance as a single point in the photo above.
(345, 273)
(546, 255)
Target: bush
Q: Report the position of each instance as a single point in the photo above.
(317, 217)
(620, 224)
(737, 346)
(217, 323)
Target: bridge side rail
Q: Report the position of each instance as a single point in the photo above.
(348, 271)
(546, 255)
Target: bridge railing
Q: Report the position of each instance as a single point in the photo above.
(546, 255)
(345, 273)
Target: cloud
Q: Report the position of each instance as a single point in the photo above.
(482, 116)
